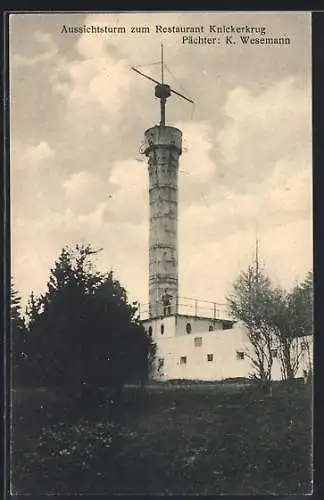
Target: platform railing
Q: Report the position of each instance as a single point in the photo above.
(191, 307)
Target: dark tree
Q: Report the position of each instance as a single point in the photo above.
(19, 347)
(86, 335)
(302, 303)
(293, 324)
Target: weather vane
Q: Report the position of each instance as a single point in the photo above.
(162, 90)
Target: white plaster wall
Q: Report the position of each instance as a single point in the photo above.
(197, 325)
(169, 327)
(176, 326)
(223, 344)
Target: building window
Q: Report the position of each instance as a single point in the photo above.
(150, 331)
(183, 360)
(239, 355)
(198, 341)
(162, 329)
(210, 357)
(210, 328)
(274, 353)
(188, 328)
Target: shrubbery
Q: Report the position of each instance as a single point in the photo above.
(64, 451)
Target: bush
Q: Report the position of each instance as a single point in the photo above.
(64, 452)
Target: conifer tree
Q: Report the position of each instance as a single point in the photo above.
(86, 334)
(18, 338)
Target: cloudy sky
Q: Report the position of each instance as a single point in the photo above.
(78, 115)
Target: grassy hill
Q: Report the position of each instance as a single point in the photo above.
(173, 438)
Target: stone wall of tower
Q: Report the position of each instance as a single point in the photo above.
(163, 148)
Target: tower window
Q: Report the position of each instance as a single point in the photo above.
(162, 329)
(150, 331)
(239, 355)
(183, 360)
(188, 328)
(210, 357)
(198, 341)
(274, 353)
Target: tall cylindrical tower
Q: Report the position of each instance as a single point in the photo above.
(163, 148)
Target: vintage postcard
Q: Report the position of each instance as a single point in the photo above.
(161, 253)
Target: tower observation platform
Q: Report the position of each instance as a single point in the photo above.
(189, 306)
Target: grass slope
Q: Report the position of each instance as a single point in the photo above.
(199, 438)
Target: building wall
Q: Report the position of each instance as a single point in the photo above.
(177, 325)
(168, 324)
(223, 345)
(197, 324)
(226, 347)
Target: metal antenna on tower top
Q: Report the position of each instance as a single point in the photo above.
(162, 90)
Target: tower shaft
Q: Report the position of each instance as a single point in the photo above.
(164, 147)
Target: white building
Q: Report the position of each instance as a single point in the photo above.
(201, 348)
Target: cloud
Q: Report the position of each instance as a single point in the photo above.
(95, 88)
(129, 203)
(295, 195)
(38, 154)
(197, 161)
(286, 251)
(78, 183)
(261, 130)
(122, 198)
(30, 158)
(95, 78)
(93, 221)
(281, 197)
(48, 45)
